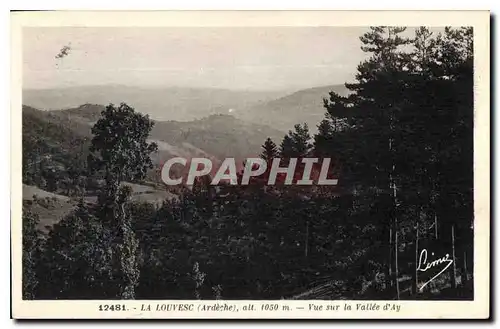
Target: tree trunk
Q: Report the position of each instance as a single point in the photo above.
(454, 276)
(306, 250)
(416, 263)
(436, 226)
(465, 274)
(390, 256)
(396, 262)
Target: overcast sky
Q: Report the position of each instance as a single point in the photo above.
(233, 58)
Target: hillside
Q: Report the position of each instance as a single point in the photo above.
(299, 107)
(180, 104)
(219, 135)
(84, 114)
(51, 138)
(57, 127)
(62, 136)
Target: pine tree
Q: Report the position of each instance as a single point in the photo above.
(323, 139)
(372, 110)
(406, 105)
(287, 147)
(301, 139)
(270, 151)
(425, 47)
(296, 144)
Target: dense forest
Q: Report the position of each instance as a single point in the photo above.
(402, 145)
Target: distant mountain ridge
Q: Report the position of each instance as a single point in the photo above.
(203, 123)
(303, 106)
(278, 109)
(170, 103)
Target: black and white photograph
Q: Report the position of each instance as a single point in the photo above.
(248, 163)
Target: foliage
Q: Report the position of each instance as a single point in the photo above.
(76, 262)
(31, 249)
(270, 151)
(403, 142)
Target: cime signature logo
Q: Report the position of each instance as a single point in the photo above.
(292, 171)
(424, 266)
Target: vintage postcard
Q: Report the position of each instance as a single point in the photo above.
(251, 165)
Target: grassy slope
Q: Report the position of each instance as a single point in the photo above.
(53, 207)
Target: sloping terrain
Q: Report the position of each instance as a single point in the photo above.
(215, 136)
(52, 207)
(49, 207)
(53, 139)
(169, 103)
(56, 142)
(218, 135)
(303, 106)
